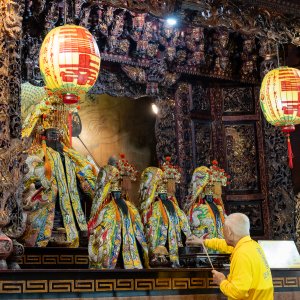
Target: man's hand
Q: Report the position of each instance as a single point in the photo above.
(195, 241)
(218, 277)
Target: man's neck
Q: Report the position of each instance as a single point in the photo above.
(236, 240)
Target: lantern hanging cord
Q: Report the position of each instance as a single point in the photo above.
(65, 13)
(284, 62)
(277, 53)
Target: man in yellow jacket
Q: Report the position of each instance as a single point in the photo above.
(250, 275)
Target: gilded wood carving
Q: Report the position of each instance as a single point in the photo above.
(12, 156)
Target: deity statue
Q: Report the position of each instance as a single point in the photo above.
(195, 44)
(60, 182)
(268, 52)
(204, 204)
(170, 38)
(116, 231)
(249, 59)
(106, 18)
(143, 32)
(165, 223)
(57, 177)
(113, 25)
(181, 57)
(222, 50)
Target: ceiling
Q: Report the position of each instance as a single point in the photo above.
(291, 7)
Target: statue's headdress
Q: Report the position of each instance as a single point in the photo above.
(198, 182)
(127, 173)
(150, 178)
(171, 175)
(203, 180)
(31, 96)
(171, 171)
(126, 169)
(41, 111)
(216, 174)
(48, 112)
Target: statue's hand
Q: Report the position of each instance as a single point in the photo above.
(27, 197)
(195, 241)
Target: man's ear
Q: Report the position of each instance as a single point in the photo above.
(229, 232)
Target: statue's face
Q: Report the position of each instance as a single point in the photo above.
(124, 46)
(181, 55)
(197, 34)
(110, 11)
(142, 45)
(209, 189)
(217, 189)
(248, 45)
(112, 41)
(119, 20)
(248, 68)
(167, 32)
(52, 134)
(152, 50)
(138, 22)
(198, 56)
(148, 26)
(170, 53)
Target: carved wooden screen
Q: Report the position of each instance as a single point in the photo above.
(244, 156)
(224, 123)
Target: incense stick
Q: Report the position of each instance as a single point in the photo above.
(205, 250)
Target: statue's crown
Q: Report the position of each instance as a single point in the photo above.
(216, 174)
(126, 169)
(170, 171)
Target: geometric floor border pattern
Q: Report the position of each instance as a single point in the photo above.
(110, 285)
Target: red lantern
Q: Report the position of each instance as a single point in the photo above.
(280, 101)
(69, 62)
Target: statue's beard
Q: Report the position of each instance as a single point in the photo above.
(54, 144)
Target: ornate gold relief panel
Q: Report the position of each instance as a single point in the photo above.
(202, 143)
(201, 126)
(237, 143)
(238, 100)
(241, 154)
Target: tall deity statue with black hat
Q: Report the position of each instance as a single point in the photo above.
(59, 180)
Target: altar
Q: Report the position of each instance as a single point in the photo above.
(63, 274)
(183, 283)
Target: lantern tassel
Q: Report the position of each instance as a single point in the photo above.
(290, 151)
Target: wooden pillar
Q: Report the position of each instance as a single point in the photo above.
(12, 158)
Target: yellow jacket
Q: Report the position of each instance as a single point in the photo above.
(250, 276)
